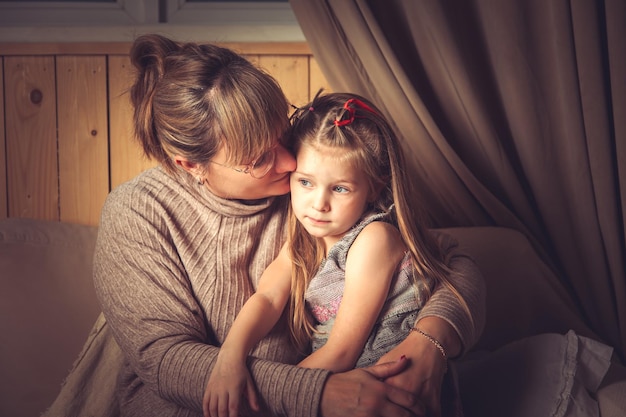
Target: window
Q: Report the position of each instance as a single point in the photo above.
(122, 20)
(233, 11)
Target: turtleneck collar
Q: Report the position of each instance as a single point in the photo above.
(224, 206)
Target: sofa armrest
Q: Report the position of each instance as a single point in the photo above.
(47, 308)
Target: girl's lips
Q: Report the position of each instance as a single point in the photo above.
(317, 222)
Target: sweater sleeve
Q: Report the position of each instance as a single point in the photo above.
(158, 323)
(469, 282)
(284, 390)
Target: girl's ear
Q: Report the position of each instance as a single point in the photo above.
(373, 197)
(375, 193)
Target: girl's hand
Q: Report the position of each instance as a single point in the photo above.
(229, 380)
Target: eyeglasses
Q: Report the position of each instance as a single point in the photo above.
(257, 168)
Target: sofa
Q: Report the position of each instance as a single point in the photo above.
(48, 309)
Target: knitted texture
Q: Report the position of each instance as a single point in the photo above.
(173, 266)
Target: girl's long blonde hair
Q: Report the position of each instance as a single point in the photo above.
(354, 124)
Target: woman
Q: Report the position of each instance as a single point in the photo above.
(182, 246)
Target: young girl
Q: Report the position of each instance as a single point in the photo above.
(358, 264)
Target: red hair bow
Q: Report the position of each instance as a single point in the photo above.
(348, 105)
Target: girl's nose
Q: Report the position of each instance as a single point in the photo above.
(320, 202)
(285, 161)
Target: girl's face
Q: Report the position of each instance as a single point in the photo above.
(229, 182)
(328, 196)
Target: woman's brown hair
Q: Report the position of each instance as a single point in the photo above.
(191, 98)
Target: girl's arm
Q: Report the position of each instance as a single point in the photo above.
(230, 377)
(263, 310)
(372, 261)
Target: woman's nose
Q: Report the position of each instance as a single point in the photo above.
(285, 161)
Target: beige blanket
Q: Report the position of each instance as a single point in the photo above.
(89, 390)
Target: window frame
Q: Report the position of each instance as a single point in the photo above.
(123, 20)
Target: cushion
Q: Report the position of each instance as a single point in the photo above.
(544, 375)
(524, 296)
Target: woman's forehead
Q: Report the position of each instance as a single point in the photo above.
(247, 150)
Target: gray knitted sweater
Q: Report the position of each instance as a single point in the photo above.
(173, 266)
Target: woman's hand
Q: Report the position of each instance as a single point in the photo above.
(427, 366)
(229, 380)
(362, 393)
(424, 375)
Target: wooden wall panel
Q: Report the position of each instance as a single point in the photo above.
(31, 147)
(83, 137)
(68, 139)
(4, 210)
(292, 73)
(316, 78)
(126, 156)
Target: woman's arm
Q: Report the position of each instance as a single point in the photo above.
(445, 319)
(362, 392)
(371, 263)
(468, 280)
(427, 366)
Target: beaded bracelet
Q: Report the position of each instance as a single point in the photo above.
(437, 344)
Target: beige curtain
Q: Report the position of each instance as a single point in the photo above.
(513, 114)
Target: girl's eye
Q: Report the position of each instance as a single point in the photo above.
(304, 183)
(340, 189)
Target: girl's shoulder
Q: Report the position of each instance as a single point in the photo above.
(385, 217)
(379, 237)
(377, 224)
